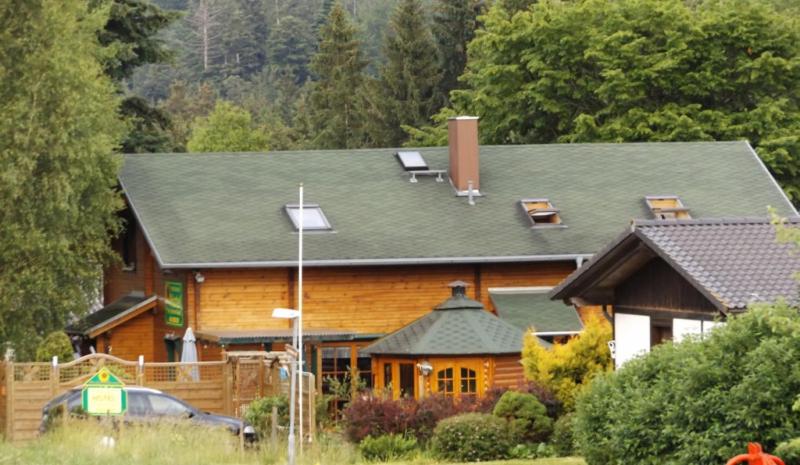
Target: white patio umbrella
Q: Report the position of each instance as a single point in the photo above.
(189, 353)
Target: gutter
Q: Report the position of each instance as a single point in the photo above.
(377, 261)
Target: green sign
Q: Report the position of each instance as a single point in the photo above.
(104, 394)
(173, 304)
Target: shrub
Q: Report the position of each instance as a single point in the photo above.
(527, 417)
(55, 344)
(259, 413)
(565, 368)
(369, 415)
(563, 439)
(789, 451)
(532, 451)
(700, 401)
(472, 437)
(387, 447)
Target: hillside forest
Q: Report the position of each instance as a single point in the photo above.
(81, 80)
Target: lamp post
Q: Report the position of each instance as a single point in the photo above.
(294, 315)
(297, 339)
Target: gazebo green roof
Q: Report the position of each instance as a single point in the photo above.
(458, 326)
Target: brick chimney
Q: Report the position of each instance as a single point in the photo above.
(462, 135)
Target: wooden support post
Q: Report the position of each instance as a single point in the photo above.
(227, 387)
(273, 436)
(312, 408)
(9, 400)
(140, 371)
(54, 377)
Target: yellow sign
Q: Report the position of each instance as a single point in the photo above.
(104, 401)
(104, 394)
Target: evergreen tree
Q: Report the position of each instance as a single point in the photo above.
(58, 129)
(334, 111)
(131, 36)
(186, 103)
(227, 129)
(454, 24)
(242, 36)
(289, 48)
(405, 94)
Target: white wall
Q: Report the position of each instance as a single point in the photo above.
(631, 336)
(682, 327)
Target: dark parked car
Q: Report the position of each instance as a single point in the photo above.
(146, 405)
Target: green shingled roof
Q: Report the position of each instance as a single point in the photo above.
(526, 309)
(205, 210)
(459, 326)
(115, 310)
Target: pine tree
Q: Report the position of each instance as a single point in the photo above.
(454, 24)
(289, 48)
(59, 127)
(335, 118)
(405, 94)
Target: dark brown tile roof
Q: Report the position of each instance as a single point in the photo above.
(735, 261)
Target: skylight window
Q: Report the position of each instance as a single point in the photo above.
(541, 212)
(667, 207)
(313, 217)
(412, 161)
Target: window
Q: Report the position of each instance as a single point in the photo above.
(541, 212)
(444, 381)
(164, 406)
(364, 367)
(412, 161)
(387, 375)
(667, 207)
(313, 218)
(407, 380)
(469, 382)
(335, 365)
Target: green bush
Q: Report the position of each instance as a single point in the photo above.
(472, 437)
(532, 451)
(55, 344)
(259, 413)
(563, 439)
(700, 401)
(387, 447)
(789, 451)
(527, 417)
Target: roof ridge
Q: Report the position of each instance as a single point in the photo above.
(756, 220)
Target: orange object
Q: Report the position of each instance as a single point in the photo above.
(755, 456)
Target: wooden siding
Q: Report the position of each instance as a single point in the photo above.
(242, 299)
(362, 299)
(508, 372)
(657, 286)
(117, 282)
(132, 339)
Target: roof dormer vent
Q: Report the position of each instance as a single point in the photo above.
(667, 207)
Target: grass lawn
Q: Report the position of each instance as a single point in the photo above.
(82, 444)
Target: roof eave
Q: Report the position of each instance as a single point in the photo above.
(378, 261)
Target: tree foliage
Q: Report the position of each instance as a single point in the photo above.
(639, 70)
(700, 401)
(55, 344)
(227, 129)
(454, 25)
(405, 94)
(566, 368)
(59, 127)
(527, 417)
(335, 118)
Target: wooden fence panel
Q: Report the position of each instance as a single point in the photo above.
(219, 387)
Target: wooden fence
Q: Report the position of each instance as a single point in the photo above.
(224, 387)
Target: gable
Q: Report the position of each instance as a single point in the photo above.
(656, 285)
(227, 210)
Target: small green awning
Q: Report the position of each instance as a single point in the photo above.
(532, 308)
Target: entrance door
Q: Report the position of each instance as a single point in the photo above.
(399, 378)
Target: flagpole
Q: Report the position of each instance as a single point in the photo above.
(300, 319)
